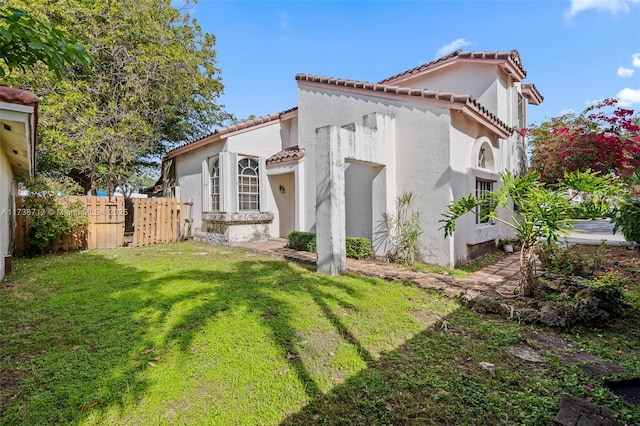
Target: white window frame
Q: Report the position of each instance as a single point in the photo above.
(249, 181)
(215, 183)
(483, 186)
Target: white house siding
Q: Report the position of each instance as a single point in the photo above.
(363, 143)
(477, 80)
(358, 181)
(422, 152)
(6, 204)
(189, 179)
(261, 141)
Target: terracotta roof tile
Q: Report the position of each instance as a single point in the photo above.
(17, 96)
(532, 94)
(512, 57)
(245, 124)
(286, 156)
(436, 95)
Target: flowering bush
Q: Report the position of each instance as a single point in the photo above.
(604, 138)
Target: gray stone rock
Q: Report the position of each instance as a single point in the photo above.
(526, 353)
(578, 412)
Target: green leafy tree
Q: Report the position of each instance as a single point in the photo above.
(153, 83)
(536, 212)
(26, 41)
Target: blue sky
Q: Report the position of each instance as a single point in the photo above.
(575, 51)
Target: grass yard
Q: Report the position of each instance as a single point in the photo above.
(193, 334)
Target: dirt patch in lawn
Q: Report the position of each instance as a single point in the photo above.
(10, 382)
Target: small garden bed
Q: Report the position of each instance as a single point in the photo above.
(583, 286)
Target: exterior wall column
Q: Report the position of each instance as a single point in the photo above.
(330, 204)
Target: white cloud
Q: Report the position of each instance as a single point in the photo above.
(636, 60)
(628, 97)
(593, 102)
(454, 45)
(625, 72)
(613, 6)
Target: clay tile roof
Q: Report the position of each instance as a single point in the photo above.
(245, 124)
(464, 100)
(12, 95)
(286, 156)
(422, 67)
(530, 91)
(512, 57)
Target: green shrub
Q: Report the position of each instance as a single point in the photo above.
(568, 262)
(305, 241)
(357, 248)
(50, 216)
(592, 207)
(628, 219)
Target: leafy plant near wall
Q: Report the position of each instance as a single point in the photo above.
(543, 213)
(356, 247)
(628, 219)
(402, 230)
(50, 217)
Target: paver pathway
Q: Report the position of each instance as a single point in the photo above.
(503, 276)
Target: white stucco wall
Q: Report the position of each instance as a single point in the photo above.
(358, 181)
(6, 181)
(422, 153)
(466, 140)
(189, 178)
(477, 80)
(260, 141)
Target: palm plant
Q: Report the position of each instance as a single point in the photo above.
(536, 213)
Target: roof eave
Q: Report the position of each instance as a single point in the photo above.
(233, 130)
(530, 91)
(501, 131)
(448, 100)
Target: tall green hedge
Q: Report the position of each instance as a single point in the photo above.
(357, 248)
(628, 219)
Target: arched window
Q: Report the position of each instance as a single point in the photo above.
(485, 157)
(214, 174)
(248, 185)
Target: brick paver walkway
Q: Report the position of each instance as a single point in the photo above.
(503, 276)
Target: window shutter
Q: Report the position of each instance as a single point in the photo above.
(231, 184)
(225, 182)
(262, 181)
(206, 186)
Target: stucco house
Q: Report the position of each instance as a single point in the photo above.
(336, 163)
(18, 120)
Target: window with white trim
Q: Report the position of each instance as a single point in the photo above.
(248, 185)
(483, 188)
(214, 175)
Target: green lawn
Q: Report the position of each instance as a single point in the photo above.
(193, 334)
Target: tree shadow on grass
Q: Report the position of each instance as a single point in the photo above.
(435, 379)
(254, 285)
(85, 342)
(75, 348)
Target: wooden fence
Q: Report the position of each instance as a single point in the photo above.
(105, 228)
(156, 220)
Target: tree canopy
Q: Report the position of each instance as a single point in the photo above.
(153, 83)
(604, 137)
(26, 41)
